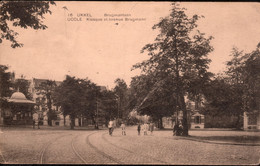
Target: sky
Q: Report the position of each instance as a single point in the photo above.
(103, 51)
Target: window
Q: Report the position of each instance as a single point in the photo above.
(252, 119)
(197, 120)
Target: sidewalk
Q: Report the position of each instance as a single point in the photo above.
(230, 142)
(225, 137)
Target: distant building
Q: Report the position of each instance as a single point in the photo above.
(42, 110)
(195, 119)
(252, 120)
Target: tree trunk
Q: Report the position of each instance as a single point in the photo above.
(95, 122)
(72, 123)
(185, 116)
(238, 126)
(160, 123)
(49, 118)
(64, 116)
(48, 97)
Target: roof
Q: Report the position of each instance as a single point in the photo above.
(197, 114)
(18, 97)
(37, 82)
(102, 88)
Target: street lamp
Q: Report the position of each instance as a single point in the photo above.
(118, 102)
(97, 115)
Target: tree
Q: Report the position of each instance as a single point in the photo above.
(244, 81)
(89, 100)
(235, 73)
(223, 99)
(23, 85)
(67, 97)
(238, 90)
(155, 101)
(178, 56)
(23, 14)
(251, 81)
(121, 92)
(45, 90)
(5, 85)
(108, 105)
(77, 97)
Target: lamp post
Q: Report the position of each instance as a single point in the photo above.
(96, 125)
(118, 104)
(97, 115)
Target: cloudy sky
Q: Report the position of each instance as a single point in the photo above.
(106, 50)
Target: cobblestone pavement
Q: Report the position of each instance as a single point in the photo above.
(97, 147)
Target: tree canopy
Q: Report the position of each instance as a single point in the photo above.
(156, 101)
(45, 90)
(81, 97)
(22, 14)
(23, 85)
(5, 83)
(237, 91)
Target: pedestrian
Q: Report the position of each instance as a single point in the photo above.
(139, 128)
(175, 129)
(36, 120)
(38, 123)
(180, 129)
(145, 128)
(33, 123)
(151, 126)
(123, 129)
(110, 127)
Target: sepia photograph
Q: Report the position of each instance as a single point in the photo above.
(129, 82)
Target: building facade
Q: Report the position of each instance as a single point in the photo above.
(196, 120)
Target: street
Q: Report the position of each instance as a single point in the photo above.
(45, 146)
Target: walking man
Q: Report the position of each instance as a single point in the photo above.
(110, 127)
(123, 128)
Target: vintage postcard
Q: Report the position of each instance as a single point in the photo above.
(163, 83)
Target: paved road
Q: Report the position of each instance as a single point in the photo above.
(97, 147)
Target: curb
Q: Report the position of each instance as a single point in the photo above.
(219, 142)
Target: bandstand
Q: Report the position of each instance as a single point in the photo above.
(19, 110)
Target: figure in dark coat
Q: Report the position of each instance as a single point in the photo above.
(139, 128)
